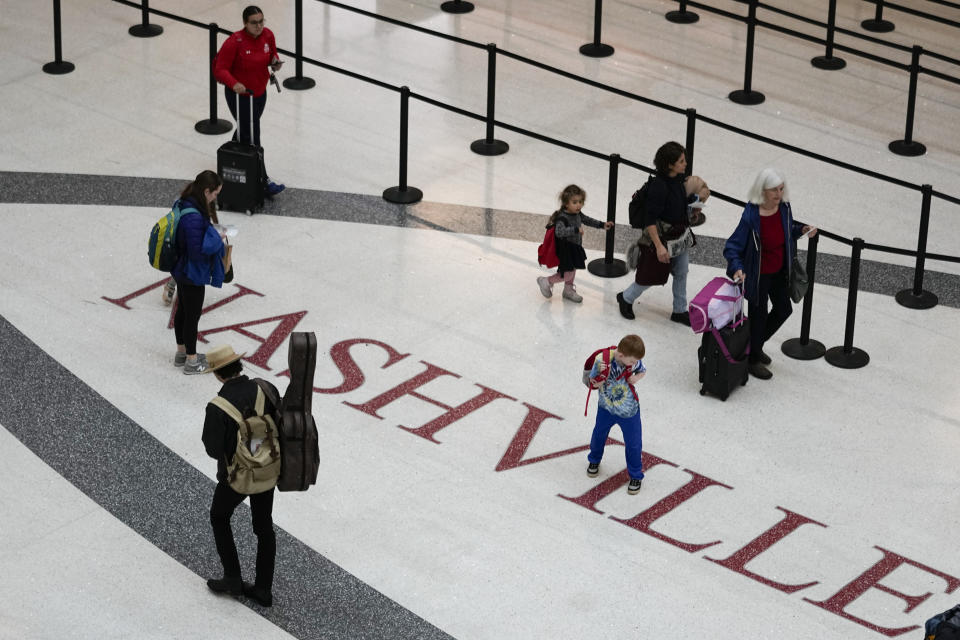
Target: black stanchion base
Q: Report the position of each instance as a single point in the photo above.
(747, 97)
(145, 30)
(397, 195)
(925, 300)
(855, 359)
(682, 17)
(596, 50)
(210, 127)
(904, 148)
(299, 84)
(457, 7)
(795, 349)
(828, 63)
(58, 68)
(877, 26)
(489, 147)
(614, 269)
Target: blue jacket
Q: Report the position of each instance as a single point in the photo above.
(199, 248)
(742, 249)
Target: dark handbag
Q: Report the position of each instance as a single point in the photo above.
(650, 270)
(799, 281)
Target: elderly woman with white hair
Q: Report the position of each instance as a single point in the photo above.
(759, 254)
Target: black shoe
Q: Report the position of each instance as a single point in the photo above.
(626, 309)
(261, 596)
(682, 318)
(593, 469)
(757, 370)
(763, 358)
(227, 584)
(634, 486)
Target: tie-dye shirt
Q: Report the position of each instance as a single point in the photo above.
(616, 396)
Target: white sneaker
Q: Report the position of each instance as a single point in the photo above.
(571, 294)
(545, 287)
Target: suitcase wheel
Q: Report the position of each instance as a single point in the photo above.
(703, 391)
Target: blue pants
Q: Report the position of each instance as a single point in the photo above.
(632, 437)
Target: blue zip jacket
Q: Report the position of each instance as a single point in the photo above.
(742, 249)
(199, 248)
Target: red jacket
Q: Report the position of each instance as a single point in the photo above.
(245, 59)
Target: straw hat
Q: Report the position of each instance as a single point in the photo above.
(220, 356)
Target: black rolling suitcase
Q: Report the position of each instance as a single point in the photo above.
(243, 172)
(299, 441)
(723, 355)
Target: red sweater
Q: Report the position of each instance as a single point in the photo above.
(245, 59)
(771, 243)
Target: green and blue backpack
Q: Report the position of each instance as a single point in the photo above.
(162, 245)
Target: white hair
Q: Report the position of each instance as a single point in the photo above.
(767, 179)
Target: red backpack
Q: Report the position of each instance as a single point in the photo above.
(547, 251)
(602, 376)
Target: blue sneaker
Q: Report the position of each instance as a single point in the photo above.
(273, 188)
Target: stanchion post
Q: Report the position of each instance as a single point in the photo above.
(827, 61)
(402, 194)
(456, 6)
(917, 298)
(145, 29)
(701, 217)
(803, 348)
(747, 95)
(608, 267)
(213, 126)
(848, 356)
(58, 66)
(597, 49)
(299, 82)
(878, 24)
(488, 146)
(908, 146)
(682, 16)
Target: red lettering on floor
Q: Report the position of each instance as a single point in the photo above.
(870, 579)
(288, 322)
(642, 521)
(614, 483)
(352, 375)
(738, 560)
(122, 302)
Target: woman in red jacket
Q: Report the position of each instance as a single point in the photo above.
(243, 66)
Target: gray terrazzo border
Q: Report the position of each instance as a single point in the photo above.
(63, 188)
(166, 500)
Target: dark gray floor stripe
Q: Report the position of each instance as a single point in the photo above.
(61, 188)
(166, 500)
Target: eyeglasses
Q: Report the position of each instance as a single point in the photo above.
(257, 23)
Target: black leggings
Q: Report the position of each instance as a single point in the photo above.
(225, 501)
(187, 317)
(764, 323)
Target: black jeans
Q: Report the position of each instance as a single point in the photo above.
(187, 318)
(764, 323)
(225, 501)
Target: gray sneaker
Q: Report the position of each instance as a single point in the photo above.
(634, 486)
(191, 368)
(571, 294)
(179, 359)
(545, 287)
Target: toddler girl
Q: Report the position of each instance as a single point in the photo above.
(567, 226)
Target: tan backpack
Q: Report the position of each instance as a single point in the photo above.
(256, 463)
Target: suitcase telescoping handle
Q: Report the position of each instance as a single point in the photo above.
(237, 118)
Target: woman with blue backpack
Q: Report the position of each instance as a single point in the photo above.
(200, 251)
(760, 254)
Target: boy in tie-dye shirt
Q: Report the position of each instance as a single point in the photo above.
(618, 404)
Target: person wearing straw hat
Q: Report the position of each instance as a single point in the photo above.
(243, 398)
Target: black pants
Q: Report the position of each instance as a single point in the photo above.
(242, 132)
(225, 501)
(773, 287)
(187, 318)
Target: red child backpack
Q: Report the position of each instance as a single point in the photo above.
(547, 251)
(606, 353)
